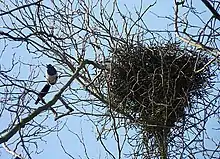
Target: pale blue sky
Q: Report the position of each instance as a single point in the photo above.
(81, 125)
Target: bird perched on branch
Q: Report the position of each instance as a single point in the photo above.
(51, 76)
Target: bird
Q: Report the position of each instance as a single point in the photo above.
(51, 74)
(42, 93)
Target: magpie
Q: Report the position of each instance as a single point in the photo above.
(51, 74)
(42, 93)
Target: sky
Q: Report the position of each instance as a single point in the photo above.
(77, 129)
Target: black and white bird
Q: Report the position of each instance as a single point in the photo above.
(51, 76)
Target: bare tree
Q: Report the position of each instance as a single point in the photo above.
(154, 91)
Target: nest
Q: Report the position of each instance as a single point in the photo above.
(153, 86)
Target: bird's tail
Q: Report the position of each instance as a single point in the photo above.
(37, 101)
(42, 93)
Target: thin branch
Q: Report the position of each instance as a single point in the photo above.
(212, 9)
(24, 6)
(16, 128)
(189, 40)
(10, 151)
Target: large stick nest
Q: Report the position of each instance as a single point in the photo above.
(154, 85)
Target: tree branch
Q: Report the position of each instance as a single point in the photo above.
(14, 130)
(20, 7)
(212, 9)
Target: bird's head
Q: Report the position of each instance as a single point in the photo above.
(49, 66)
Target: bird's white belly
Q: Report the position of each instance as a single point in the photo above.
(52, 79)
